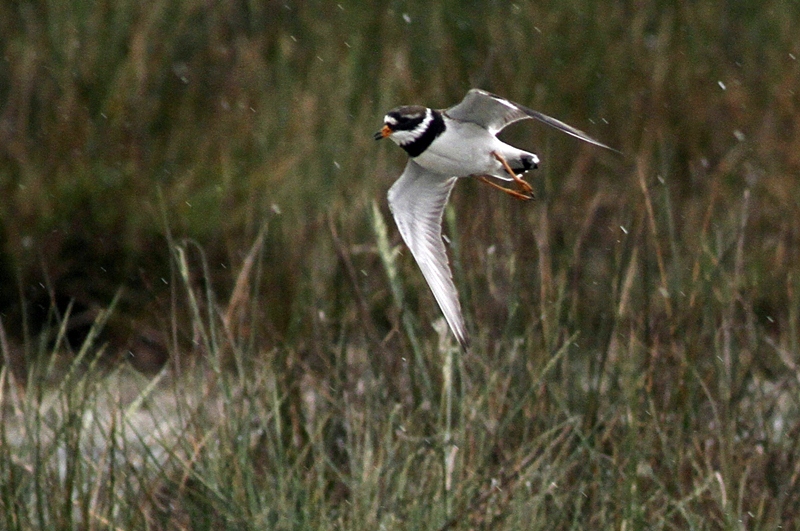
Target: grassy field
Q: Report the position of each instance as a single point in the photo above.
(208, 319)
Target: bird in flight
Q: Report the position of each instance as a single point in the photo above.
(443, 146)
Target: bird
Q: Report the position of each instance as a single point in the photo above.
(446, 145)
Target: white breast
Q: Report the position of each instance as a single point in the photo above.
(463, 149)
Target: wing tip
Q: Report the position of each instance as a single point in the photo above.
(464, 341)
(613, 150)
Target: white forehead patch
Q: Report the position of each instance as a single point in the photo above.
(389, 120)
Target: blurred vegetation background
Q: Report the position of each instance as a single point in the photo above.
(121, 121)
(669, 274)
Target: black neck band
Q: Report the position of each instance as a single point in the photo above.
(435, 128)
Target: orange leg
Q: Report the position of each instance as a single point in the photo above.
(526, 188)
(512, 193)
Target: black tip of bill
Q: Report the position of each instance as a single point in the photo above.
(378, 135)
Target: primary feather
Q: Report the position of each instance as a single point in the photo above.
(417, 201)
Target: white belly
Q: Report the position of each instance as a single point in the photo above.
(465, 150)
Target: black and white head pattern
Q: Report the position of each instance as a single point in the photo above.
(414, 127)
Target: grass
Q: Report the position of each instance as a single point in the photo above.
(208, 321)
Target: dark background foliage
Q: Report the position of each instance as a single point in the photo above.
(669, 273)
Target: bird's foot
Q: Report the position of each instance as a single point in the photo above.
(513, 193)
(527, 189)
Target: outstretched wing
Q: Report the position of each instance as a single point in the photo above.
(487, 110)
(495, 113)
(417, 201)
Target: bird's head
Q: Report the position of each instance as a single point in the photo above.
(405, 124)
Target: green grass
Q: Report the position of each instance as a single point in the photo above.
(198, 183)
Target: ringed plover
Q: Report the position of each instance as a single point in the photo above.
(443, 146)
